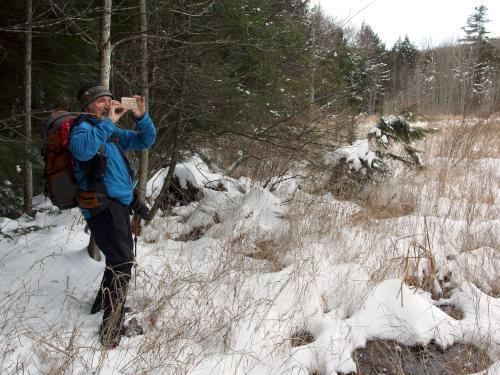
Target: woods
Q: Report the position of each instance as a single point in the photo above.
(260, 71)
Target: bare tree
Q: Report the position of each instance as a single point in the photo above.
(105, 44)
(144, 154)
(104, 74)
(28, 173)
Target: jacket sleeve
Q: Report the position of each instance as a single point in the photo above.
(143, 137)
(86, 139)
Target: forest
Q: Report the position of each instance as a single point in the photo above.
(219, 72)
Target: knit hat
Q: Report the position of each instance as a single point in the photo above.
(90, 92)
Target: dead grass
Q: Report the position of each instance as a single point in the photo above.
(195, 234)
(388, 199)
(365, 124)
(269, 252)
(452, 311)
(419, 267)
(391, 358)
(301, 337)
(468, 140)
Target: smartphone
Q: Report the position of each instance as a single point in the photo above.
(129, 103)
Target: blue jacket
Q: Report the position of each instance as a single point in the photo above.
(90, 134)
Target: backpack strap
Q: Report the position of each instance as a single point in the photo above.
(93, 169)
(114, 138)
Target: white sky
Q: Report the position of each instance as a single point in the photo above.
(425, 21)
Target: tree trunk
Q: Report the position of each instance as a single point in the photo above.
(312, 89)
(144, 154)
(104, 74)
(105, 44)
(28, 175)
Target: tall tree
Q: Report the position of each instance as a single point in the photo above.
(144, 154)
(104, 76)
(402, 65)
(376, 71)
(28, 174)
(475, 29)
(105, 44)
(480, 65)
(328, 62)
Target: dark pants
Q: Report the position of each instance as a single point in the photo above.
(112, 232)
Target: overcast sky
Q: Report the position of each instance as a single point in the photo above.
(425, 21)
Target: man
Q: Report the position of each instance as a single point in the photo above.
(107, 183)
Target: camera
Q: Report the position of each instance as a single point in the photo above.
(129, 103)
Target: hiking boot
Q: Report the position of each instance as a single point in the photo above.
(132, 328)
(110, 340)
(109, 343)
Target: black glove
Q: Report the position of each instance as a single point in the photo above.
(140, 209)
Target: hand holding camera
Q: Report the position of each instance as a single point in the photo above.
(116, 110)
(136, 104)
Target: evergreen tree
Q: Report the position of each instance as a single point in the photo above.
(59, 58)
(394, 137)
(402, 63)
(340, 74)
(481, 63)
(373, 55)
(426, 81)
(475, 29)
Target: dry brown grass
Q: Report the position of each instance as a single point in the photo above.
(270, 253)
(388, 199)
(365, 124)
(301, 337)
(391, 358)
(455, 187)
(467, 140)
(420, 256)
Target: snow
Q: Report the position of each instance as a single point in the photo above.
(397, 313)
(354, 156)
(193, 171)
(266, 265)
(392, 119)
(376, 131)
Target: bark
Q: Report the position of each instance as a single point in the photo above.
(144, 154)
(104, 74)
(28, 174)
(105, 44)
(312, 90)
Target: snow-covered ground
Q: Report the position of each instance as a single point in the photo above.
(225, 285)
